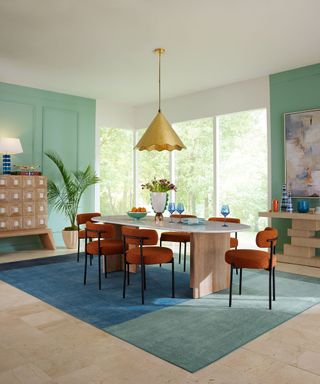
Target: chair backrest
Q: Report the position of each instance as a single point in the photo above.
(263, 238)
(133, 235)
(175, 216)
(228, 219)
(105, 231)
(82, 218)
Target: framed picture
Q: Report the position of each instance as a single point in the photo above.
(302, 152)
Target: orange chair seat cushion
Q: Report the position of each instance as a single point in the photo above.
(177, 237)
(151, 255)
(108, 247)
(233, 242)
(249, 258)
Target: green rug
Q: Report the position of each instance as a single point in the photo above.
(195, 333)
(188, 333)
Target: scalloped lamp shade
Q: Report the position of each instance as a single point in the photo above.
(9, 146)
(160, 136)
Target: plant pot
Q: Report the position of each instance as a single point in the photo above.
(70, 239)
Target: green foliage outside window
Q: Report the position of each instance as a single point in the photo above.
(242, 165)
(194, 167)
(116, 170)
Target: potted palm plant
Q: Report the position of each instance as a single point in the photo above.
(64, 196)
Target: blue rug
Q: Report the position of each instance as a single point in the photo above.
(188, 333)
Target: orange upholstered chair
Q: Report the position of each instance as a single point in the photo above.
(255, 259)
(233, 240)
(145, 252)
(104, 245)
(81, 219)
(178, 237)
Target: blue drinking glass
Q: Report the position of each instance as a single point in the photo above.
(225, 212)
(180, 209)
(171, 209)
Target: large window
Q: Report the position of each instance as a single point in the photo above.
(230, 151)
(193, 168)
(242, 170)
(116, 170)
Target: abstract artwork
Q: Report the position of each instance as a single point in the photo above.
(302, 152)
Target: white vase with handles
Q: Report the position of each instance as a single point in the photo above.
(159, 202)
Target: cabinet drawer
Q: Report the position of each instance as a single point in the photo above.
(28, 222)
(4, 224)
(15, 209)
(40, 181)
(4, 181)
(41, 194)
(28, 195)
(15, 182)
(41, 221)
(15, 223)
(28, 209)
(4, 196)
(15, 195)
(41, 208)
(4, 209)
(28, 181)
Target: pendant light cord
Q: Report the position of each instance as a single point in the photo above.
(159, 109)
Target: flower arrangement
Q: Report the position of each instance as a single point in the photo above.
(159, 185)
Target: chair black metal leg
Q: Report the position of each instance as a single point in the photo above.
(160, 265)
(142, 284)
(274, 283)
(144, 277)
(173, 284)
(180, 253)
(85, 269)
(185, 257)
(240, 282)
(270, 301)
(128, 274)
(99, 264)
(124, 280)
(105, 267)
(78, 256)
(230, 289)
(91, 256)
(237, 271)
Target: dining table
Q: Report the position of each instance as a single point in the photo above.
(209, 242)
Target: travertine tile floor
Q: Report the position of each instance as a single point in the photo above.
(40, 344)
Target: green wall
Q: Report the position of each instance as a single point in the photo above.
(44, 121)
(290, 91)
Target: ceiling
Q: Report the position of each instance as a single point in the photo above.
(103, 48)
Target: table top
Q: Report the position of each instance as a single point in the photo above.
(149, 222)
(291, 215)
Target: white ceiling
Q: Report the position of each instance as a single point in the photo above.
(103, 48)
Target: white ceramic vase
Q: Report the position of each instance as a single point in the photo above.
(159, 202)
(70, 239)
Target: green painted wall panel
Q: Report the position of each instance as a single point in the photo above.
(46, 120)
(290, 91)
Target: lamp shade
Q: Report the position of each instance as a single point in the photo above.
(10, 146)
(160, 136)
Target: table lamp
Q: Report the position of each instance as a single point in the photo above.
(9, 146)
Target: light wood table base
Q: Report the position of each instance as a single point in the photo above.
(208, 270)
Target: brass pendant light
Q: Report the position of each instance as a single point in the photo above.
(160, 135)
